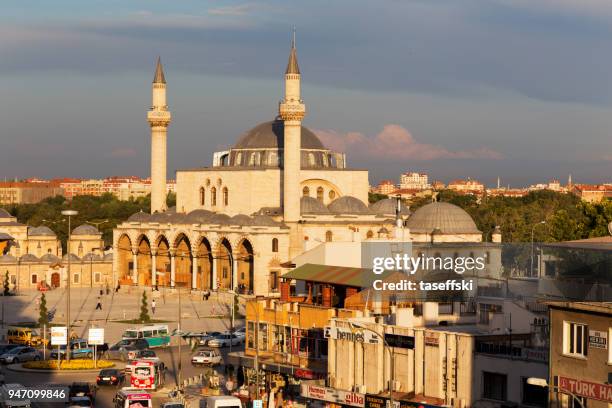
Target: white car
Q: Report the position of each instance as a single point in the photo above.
(207, 357)
(20, 355)
(241, 334)
(225, 340)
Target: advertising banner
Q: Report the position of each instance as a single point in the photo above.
(59, 336)
(352, 399)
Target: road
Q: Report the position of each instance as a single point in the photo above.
(105, 394)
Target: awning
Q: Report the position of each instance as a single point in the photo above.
(335, 275)
(310, 373)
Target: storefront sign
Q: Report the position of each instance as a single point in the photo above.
(375, 401)
(359, 335)
(352, 399)
(400, 341)
(431, 339)
(307, 374)
(601, 392)
(598, 339)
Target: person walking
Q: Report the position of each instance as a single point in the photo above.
(99, 304)
(153, 304)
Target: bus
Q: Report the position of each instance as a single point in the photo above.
(156, 335)
(129, 398)
(147, 374)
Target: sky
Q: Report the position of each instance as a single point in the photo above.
(516, 89)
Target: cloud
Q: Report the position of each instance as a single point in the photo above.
(123, 152)
(396, 143)
(239, 10)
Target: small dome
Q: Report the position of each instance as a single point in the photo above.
(140, 216)
(29, 258)
(89, 257)
(42, 231)
(85, 229)
(6, 258)
(348, 205)
(160, 217)
(387, 207)
(271, 135)
(446, 217)
(310, 205)
(264, 221)
(241, 219)
(199, 216)
(49, 258)
(108, 257)
(217, 218)
(73, 257)
(179, 218)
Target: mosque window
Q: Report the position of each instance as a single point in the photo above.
(207, 182)
(213, 196)
(238, 159)
(329, 236)
(274, 244)
(325, 161)
(34, 278)
(272, 159)
(202, 196)
(320, 194)
(311, 159)
(305, 191)
(370, 234)
(257, 158)
(332, 194)
(225, 196)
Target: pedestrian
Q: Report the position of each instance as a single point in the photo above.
(101, 292)
(153, 304)
(99, 305)
(118, 287)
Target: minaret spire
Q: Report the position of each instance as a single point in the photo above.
(159, 77)
(292, 65)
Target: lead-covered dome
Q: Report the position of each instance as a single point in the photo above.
(387, 206)
(85, 229)
(270, 135)
(42, 231)
(310, 205)
(446, 217)
(348, 205)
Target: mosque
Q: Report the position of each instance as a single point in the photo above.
(275, 194)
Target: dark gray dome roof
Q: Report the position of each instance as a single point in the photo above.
(85, 229)
(49, 258)
(29, 258)
(199, 216)
(6, 258)
(270, 135)
(387, 207)
(348, 205)
(446, 217)
(218, 218)
(140, 216)
(73, 257)
(241, 219)
(42, 231)
(310, 205)
(108, 257)
(92, 257)
(179, 218)
(160, 217)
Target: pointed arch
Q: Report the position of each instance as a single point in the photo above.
(163, 261)
(183, 261)
(224, 257)
(124, 258)
(144, 272)
(204, 259)
(245, 258)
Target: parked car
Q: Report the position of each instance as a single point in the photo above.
(207, 357)
(224, 401)
(78, 402)
(206, 337)
(19, 355)
(122, 349)
(7, 347)
(110, 376)
(241, 334)
(78, 349)
(83, 389)
(225, 340)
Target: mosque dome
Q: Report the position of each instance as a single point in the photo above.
(387, 206)
(348, 205)
(270, 135)
(310, 205)
(241, 219)
(445, 217)
(42, 231)
(140, 216)
(49, 258)
(85, 229)
(29, 258)
(264, 221)
(199, 216)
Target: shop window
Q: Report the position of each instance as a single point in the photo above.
(263, 336)
(575, 339)
(495, 386)
(250, 335)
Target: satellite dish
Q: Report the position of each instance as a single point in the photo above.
(610, 227)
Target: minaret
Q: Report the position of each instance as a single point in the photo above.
(292, 111)
(159, 118)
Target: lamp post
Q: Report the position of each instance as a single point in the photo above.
(541, 382)
(532, 232)
(69, 214)
(385, 344)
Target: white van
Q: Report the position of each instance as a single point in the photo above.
(222, 401)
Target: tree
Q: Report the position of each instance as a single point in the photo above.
(43, 314)
(144, 309)
(7, 289)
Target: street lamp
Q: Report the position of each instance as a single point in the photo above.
(69, 214)
(541, 382)
(532, 232)
(385, 344)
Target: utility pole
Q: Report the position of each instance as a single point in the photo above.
(180, 356)
(69, 214)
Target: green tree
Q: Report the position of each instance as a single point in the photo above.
(7, 289)
(144, 309)
(374, 197)
(171, 199)
(43, 316)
